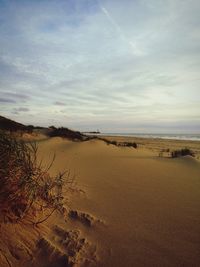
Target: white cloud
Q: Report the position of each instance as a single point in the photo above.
(109, 62)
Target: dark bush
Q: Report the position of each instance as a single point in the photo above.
(115, 143)
(52, 127)
(67, 133)
(29, 128)
(182, 152)
(108, 142)
(129, 144)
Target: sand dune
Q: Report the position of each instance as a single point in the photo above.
(150, 205)
(129, 208)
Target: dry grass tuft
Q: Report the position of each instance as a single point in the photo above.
(25, 186)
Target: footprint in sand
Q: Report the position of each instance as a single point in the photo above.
(65, 249)
(85, 218)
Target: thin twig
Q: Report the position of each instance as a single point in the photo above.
(41, 221)
(5, 258)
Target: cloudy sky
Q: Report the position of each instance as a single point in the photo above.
(112, 65)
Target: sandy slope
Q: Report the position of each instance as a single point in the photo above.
(130, 208)
(148, 206)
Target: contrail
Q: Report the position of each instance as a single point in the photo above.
(105, 11)
(119, 30)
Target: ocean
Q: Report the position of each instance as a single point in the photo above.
(191, 137)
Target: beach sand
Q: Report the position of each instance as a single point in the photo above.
(129, 207)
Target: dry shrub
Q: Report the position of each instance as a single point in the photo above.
(24, 184)
(182, 152)
(120, 144)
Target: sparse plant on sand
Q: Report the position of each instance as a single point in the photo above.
(129, 144)
(182, 152)
(25, 186)
(164, 152)
(119, 144)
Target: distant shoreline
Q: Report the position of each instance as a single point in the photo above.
(181, 137)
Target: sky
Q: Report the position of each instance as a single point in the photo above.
(129, 66)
